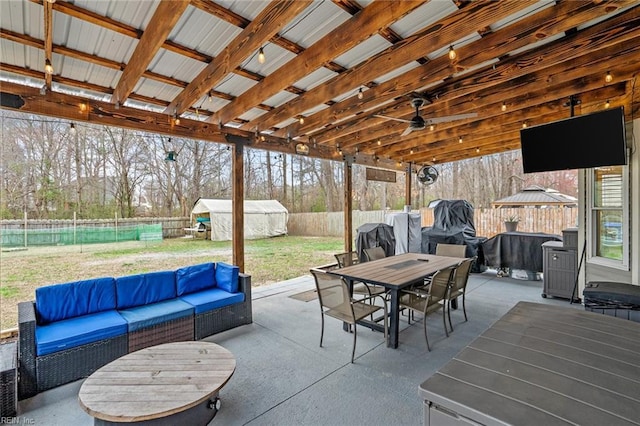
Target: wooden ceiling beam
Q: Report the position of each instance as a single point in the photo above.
(480, 135)
(585, 44)
(271, 20)
(338, 41)
(241, 22)
(120, 28)
(547, 22)
(543, 24)
(158, 29)
(493, 142)
(20, 98)
(441, 33)
(586, 73)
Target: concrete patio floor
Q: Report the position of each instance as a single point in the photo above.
(283, 377)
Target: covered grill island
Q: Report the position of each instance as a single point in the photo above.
(541, 365)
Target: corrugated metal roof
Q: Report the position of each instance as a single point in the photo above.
(109, 30)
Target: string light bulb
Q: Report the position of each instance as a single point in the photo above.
(360, 94)
(477, 150)
(379, 143)
(607, 104)
(301, 120)
(452, 53)
(608, 78)
(72, 128)
(524, 125)
(261, 57)
(210, 96)
(176, 119)
(432, 127)
(460, 139)
(48, 68)
(504, 106)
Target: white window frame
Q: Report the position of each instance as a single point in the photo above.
(591, 230)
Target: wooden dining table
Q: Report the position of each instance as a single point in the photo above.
(395, 273)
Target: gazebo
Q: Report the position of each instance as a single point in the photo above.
(537, 197)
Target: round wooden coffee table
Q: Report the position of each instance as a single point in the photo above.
(173, 383)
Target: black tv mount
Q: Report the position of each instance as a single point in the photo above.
(572, 102)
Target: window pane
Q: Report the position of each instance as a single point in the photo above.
(609, 234)
(607, 187)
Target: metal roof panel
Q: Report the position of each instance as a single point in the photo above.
(423, 16)
(318, 20)
(368, 48)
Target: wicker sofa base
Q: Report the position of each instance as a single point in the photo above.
(76, 363)
(222, 319)
(178, 330)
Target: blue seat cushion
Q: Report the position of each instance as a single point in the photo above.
(156, 313)
(74, 299)
(227, 277)
(208, 300)
(144, 289)
(77, 331)
(195, 278)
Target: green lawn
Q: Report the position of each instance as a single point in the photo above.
(267, 261)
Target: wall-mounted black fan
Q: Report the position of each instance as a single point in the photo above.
(427, 175)
(419, 123)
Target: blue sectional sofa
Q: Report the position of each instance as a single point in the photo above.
(72, 329)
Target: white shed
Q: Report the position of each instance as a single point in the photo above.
(262, 218)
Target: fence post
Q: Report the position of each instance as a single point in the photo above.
(25, 229)
(116, 216)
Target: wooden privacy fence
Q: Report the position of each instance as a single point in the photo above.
(488, 222)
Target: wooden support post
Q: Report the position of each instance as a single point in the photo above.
(238, 205)
(348, 203)
(407, 186)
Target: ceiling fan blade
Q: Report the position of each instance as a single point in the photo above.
(392, 118)
(406, 131)
(437, 120)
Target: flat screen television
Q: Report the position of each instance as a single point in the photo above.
(580, 142)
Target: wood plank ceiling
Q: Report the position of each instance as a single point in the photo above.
(334, 70)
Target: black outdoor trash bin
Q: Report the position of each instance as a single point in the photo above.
(611, 298)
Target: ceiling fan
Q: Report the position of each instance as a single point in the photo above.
(419, 123)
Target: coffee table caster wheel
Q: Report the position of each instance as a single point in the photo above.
(214, 404)
(544, 296)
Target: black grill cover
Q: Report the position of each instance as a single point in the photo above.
(517, 250)
(371, 235)
(454, 216)
(453, 224)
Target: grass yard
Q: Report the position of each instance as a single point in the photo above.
(267, 261)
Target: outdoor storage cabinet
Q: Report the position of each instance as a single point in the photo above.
(559, 270)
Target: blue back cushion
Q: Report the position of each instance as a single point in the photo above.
(142, 289)
(195, 278)
(62, 301)
(227, 277)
